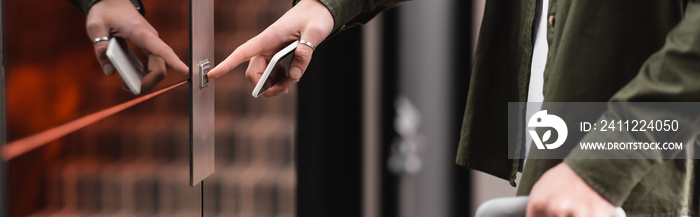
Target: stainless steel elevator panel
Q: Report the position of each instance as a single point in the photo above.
(201, 90)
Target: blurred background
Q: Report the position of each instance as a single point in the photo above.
(371, 130)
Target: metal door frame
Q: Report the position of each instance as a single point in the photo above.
(3, 130)
(201, 90)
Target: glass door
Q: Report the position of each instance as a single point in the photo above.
(140, 160)
(133, 163)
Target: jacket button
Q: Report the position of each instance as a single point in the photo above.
(551, 20)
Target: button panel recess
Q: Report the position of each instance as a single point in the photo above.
(204, 68)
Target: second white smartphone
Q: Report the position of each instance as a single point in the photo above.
(127, 64)
(277, 70)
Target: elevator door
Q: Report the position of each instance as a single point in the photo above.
(110, 153)
(136, 162)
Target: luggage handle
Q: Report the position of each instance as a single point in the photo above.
(514, 207)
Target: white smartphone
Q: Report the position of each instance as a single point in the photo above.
(277, 70)
(126, 63)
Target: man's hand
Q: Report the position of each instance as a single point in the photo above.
(561, 192)
(309, 20)
(119, 18)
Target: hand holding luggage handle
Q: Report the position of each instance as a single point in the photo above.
(515, 207)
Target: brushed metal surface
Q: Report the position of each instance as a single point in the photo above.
(202, 99)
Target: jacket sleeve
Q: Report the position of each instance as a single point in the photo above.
(349, 13)
(85, 5)
(672, 74)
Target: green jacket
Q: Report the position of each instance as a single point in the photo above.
(598, 51)
(646, 50)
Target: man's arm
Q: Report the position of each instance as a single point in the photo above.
(672, 74)
(124, 19)
(309, 20)
(85, 5)
(347, 14)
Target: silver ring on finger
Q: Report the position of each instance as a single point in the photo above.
(96, 40)
(307, 44)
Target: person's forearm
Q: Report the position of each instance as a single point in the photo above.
(347, 13)
(669, 75)
(85, 5)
